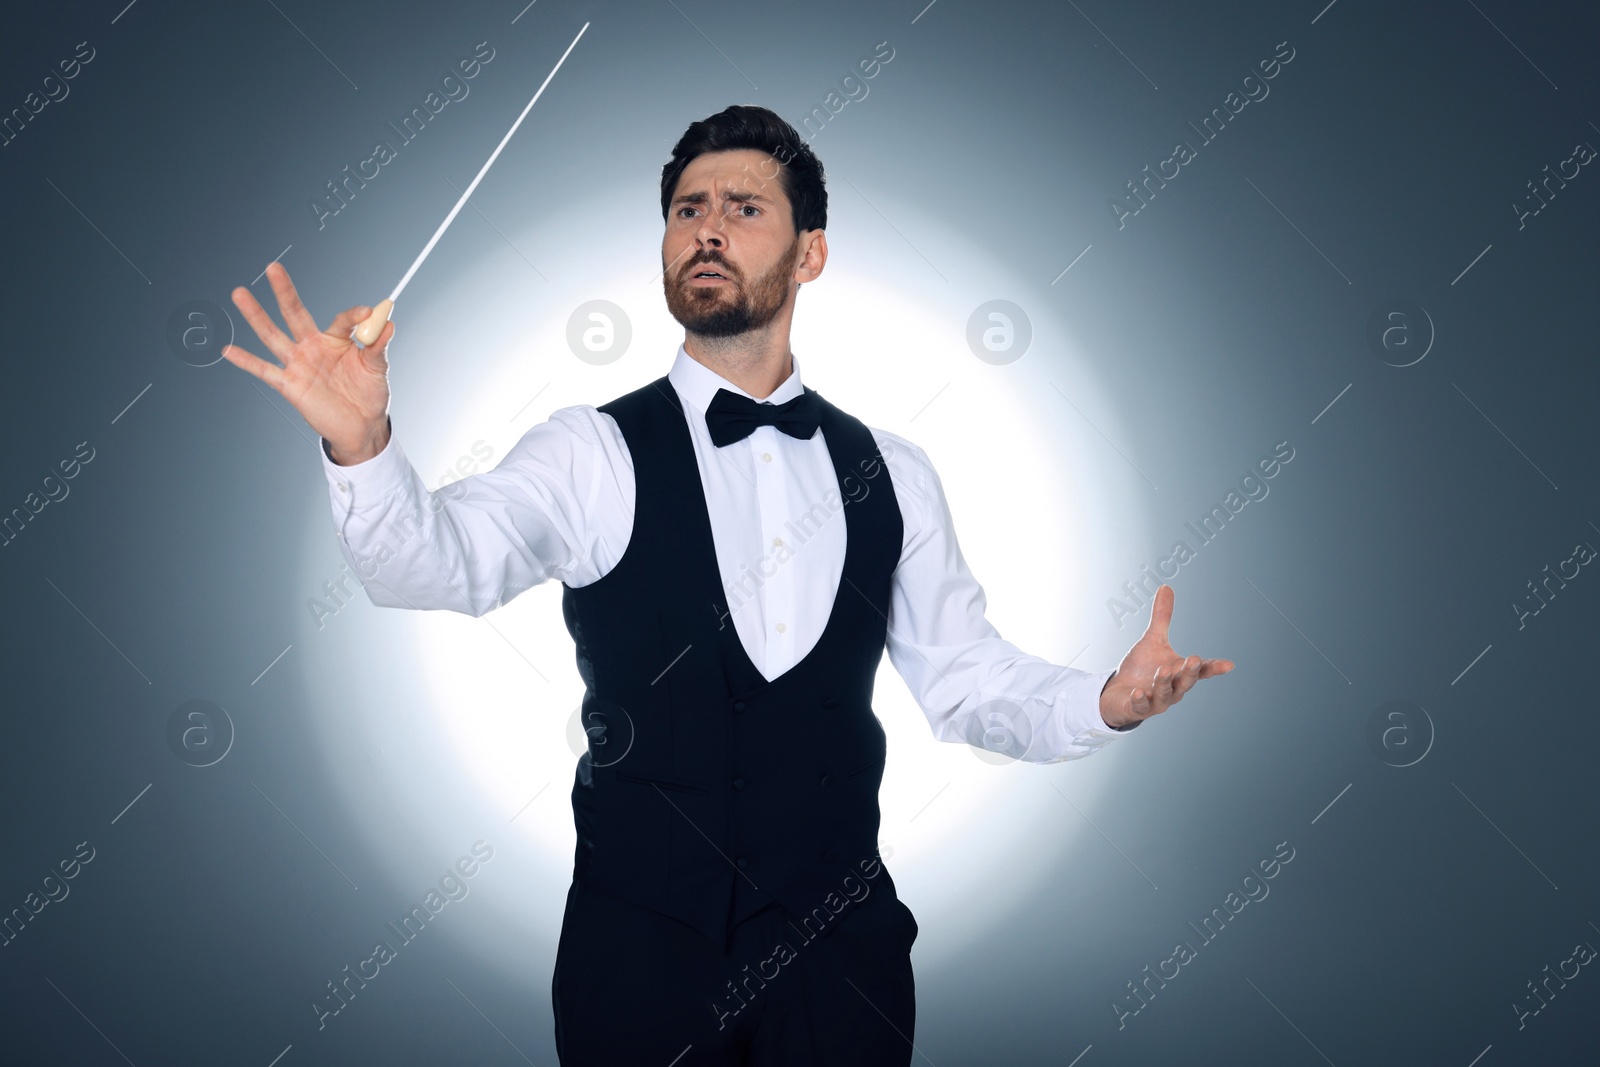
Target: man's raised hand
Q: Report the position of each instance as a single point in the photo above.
(1152, 677)
(340, 388)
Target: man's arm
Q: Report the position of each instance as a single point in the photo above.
(546, 511)
(474, 544)
(973, 685)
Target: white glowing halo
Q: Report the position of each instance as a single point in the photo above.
(895, 357)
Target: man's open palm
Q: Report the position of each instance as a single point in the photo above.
(340, 388)
(1152, 677)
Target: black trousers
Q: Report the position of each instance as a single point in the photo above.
(634, 987)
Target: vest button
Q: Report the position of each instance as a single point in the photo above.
(831, 702)
(738, 783)
(742, 862)
(824, 780)
(738, 705)
(827, 857)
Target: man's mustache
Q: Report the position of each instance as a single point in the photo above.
(713, 258)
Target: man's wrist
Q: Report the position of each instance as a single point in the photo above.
(373, 447)
(1125, 727)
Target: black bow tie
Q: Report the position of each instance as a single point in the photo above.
(731, 417)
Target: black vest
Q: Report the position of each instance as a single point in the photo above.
(709, 792)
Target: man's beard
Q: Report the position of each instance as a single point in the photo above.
(709, 311)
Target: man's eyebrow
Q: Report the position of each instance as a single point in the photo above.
(701, 197)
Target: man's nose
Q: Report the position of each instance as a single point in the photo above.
(710, 233)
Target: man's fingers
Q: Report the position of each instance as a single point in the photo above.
(256, 315)
(1161, 612)
(346, 320)
(1139, 701)
(380, 344)
(300, 322)
(1170, 681)
(1183, 678)
(270, 373)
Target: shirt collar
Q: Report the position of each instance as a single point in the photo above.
(697, 383)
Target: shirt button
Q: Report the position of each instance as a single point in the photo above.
(777, 542)
(738, 783)
(742, 862)
(341, 487)
(781, 627)
(766, 457)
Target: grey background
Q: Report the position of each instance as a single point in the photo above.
(1228, 314)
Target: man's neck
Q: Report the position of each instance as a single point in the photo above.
(755, 362)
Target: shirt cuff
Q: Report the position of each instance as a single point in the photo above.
(1077, 728)
(362, 493)
(1083, 715)
(369, 481)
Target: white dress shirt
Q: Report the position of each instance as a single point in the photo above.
(560, 505)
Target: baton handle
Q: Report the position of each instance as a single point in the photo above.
(368, 329)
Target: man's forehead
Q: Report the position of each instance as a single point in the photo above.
(744, 170)
(730, 161)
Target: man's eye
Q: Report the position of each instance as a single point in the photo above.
(751, 208)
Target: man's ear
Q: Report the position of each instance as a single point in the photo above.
(813, 255)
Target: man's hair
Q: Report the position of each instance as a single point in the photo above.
(750, 126)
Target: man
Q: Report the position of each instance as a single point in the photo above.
(728, 905)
